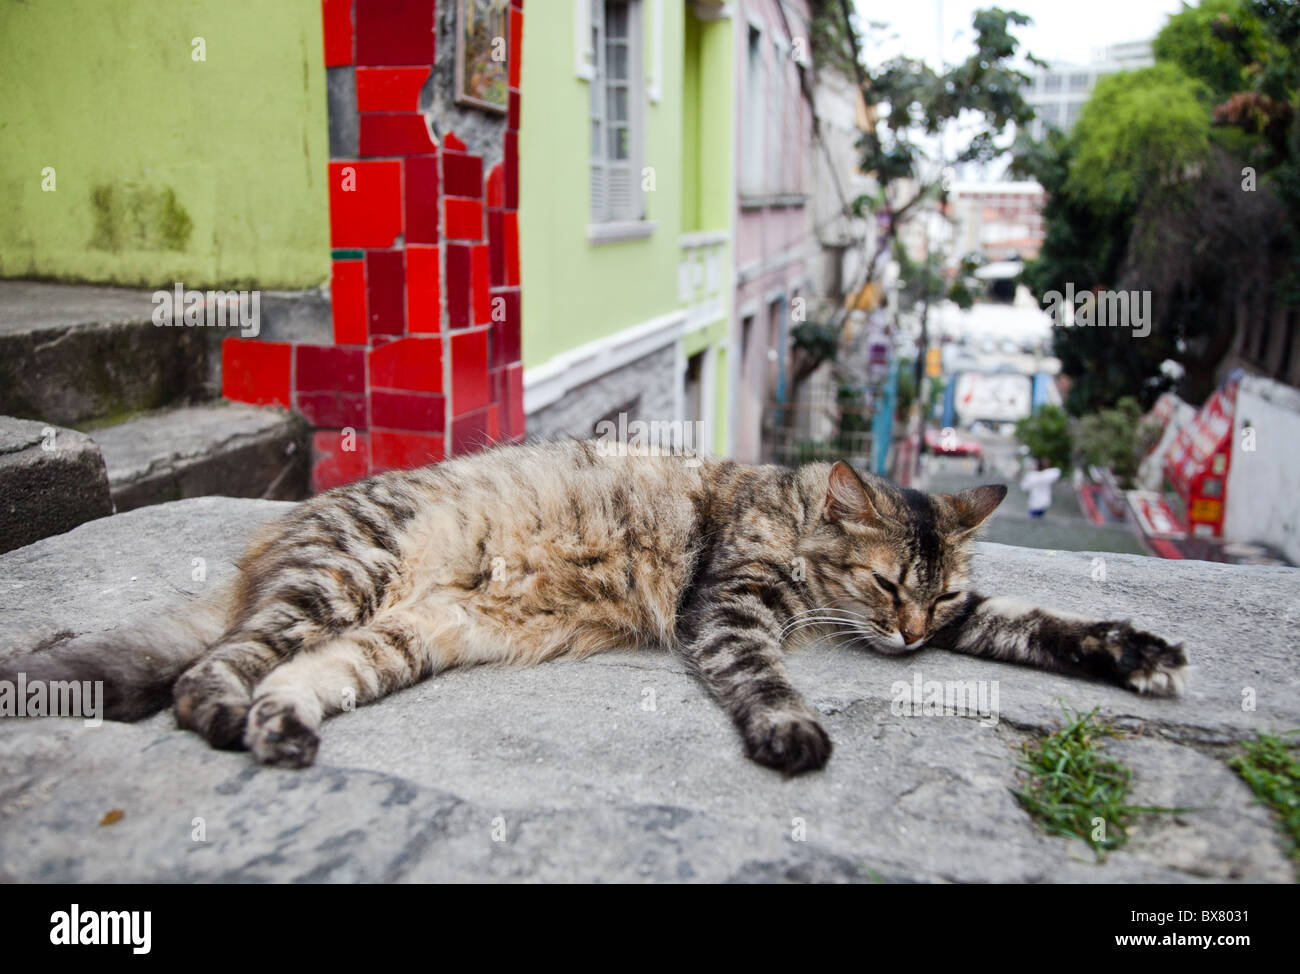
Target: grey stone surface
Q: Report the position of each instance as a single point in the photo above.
(228, 449)
(51, 480)
(566, 772)
(645, 389)
(74, 354)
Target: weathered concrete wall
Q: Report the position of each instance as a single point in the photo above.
(164, 167)
(620, 767)
(1264, 481)
(649, 385)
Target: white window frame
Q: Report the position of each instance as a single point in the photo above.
(608, 221)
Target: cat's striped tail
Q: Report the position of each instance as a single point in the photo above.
(135, 664)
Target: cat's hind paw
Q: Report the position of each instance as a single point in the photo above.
(278, 735)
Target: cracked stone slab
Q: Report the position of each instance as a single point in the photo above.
(619, 768)
(51, 480)
(226, 448)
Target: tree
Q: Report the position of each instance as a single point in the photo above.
(1047, 435)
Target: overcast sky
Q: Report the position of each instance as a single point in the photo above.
(1063, 30)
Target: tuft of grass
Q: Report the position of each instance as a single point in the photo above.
(1072, 788)
(1268, 765)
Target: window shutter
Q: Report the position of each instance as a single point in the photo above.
(599, 191)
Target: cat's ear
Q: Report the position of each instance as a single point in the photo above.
(849, 499)
(971, 508)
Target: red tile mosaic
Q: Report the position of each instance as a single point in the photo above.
(348, 300)
(412, 364)
(365, 203)
(395, 31)
(457, 286)
(338, 458)
(421, 411)
(336, 18)
(469, 372)
(395, 134)
(390, 89)
(386, 292)
(256, 372)
(391, 450)
(423, 294)
(480, 284)
(464, 218)
(332, 409)
(422, 224)
(462, 175)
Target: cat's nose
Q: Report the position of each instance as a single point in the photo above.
(912, 638)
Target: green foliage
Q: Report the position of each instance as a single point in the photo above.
(1140, 130)
(1109, 438)
(1047, 434)
(1195, 41)
(1268, 765)
(1072, 788)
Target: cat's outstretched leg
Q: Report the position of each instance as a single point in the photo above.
(394, 650)
(730, 637)
(1113, 650)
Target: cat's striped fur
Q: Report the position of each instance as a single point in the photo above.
(527, 553)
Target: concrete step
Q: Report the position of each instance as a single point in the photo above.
(74, 354)
(51, 480)
(224, 448)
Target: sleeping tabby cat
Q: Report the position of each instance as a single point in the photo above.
(527, 553)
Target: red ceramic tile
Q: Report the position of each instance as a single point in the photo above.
(512, 169)
(395, 134)
(386, 292)
(496, 186)
(464, 218)
(423, 297)
(423, 411)
(462, 175)
(328, 368)
(497, 384)
(390, 89)
(513, 408)
(422, 200)
(256, 372)
(512, 248)
(413, 364)
(333, 410)
(336, 18)
(508, 330)
(480, 284)
(512, 116)
(457, 288)
(497, 248)
(516, 46)
(338, 458)
(390, 450)
(470, 433)
(469, 372)
(348, 301)
(494, 422)
(450, 141)
(395, 32)
(365, 203)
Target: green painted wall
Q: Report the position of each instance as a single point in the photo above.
(166, 168)
(575, 291)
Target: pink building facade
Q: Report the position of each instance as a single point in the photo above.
(775, 248)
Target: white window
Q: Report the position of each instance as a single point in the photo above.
(617, 99)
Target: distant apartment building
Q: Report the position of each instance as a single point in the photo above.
(626, 189)
(775, 247)
(997, 221)
(1059, 91)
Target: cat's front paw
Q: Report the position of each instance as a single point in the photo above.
(1144, 662)
(790, 743)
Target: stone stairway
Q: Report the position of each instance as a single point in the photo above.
(101, 410)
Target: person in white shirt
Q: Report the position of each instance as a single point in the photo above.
(1038, 484)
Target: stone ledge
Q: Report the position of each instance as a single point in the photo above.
(592, 786)
(47, 491)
